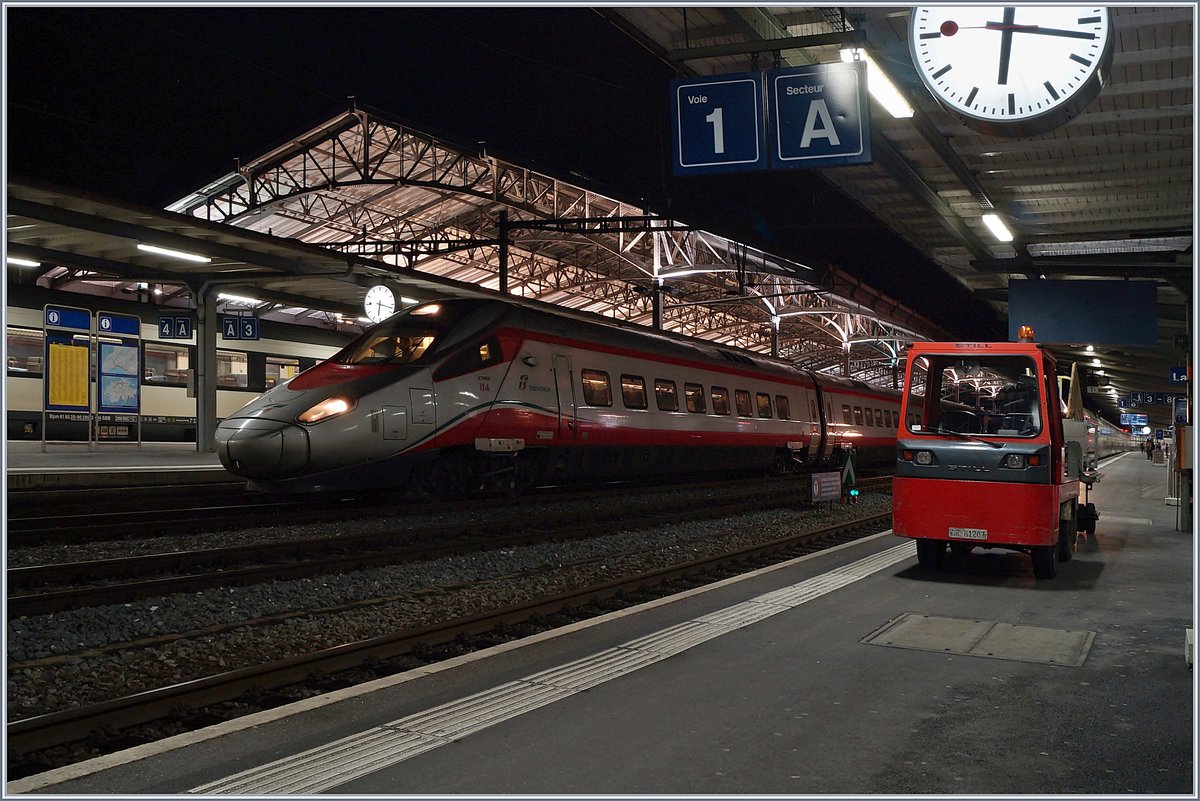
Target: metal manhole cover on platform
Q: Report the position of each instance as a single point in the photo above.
(985, 638)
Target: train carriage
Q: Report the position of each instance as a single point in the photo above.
(488, 394)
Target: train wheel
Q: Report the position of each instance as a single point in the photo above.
(1045, 565)
(930, 553)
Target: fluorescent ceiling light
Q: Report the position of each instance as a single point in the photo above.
(14, 261)
(879, 84)
(997, 227)
(408, 301)
(175, 254)
(237, 298)
(1092, 247)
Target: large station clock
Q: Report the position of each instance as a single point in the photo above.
(379, 303)
(1012, 70)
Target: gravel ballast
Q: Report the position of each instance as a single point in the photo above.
(83, 656)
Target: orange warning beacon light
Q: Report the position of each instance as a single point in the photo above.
(1025, 333)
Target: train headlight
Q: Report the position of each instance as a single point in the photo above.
(330, 407)
(1014, 461)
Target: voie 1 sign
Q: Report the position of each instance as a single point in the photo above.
(717, 122)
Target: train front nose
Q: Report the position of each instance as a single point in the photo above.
(257, 448)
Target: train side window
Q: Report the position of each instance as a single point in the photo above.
(23, 351)
(783, 408)
(233, 370)
(846, 414)
(812, 409)
(597, 391)
(408, 349)
(858, 415)
(280, 369)
(763, 401)
(887, 418)
(720, 400)
(828, 412)
(741, 399)
(666, 395)
(633, 391)
(867, 415)
(910, 420)
(165, 365)
(879, 417)
(693, 395)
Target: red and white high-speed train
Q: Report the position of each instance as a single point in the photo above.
(469, 395)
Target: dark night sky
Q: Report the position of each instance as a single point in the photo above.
(146, 104)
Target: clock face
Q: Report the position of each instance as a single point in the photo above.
(1012, 70)
(379, 303)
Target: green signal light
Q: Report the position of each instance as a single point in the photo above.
(853, 493)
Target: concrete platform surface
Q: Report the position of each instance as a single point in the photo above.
(767, 685)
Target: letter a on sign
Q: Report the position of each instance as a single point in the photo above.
(819, 110)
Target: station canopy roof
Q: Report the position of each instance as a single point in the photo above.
(302, 231)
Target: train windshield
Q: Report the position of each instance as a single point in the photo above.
(977, 395)
(401, 339)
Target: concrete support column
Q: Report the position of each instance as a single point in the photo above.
(205, 370)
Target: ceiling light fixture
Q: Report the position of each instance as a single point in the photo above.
(237, 298)
(175, 254)
(14, 261)
(880, 86)
(997, 227)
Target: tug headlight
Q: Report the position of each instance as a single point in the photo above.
(330, 407)
(924, 457)
(1014, 461)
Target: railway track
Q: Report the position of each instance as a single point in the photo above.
(77, 516)
(42, 589)
(36, 743)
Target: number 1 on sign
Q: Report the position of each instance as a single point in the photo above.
(718, 129)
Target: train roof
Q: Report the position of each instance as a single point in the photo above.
(631, 336)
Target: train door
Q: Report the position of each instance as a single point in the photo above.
(564, 384)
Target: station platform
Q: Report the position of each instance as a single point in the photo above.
(58, 465)
(850, 671)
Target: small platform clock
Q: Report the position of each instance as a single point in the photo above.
(1012, 70)
(379, 303)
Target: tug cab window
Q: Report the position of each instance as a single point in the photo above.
(979, 395)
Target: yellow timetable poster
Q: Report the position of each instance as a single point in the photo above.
(69, 377)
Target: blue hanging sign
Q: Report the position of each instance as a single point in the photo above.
(821, 115)
(717, 122)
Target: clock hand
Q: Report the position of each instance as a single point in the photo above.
(1010, 13)
(998, 26)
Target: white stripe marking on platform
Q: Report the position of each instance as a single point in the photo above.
(350, 758)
